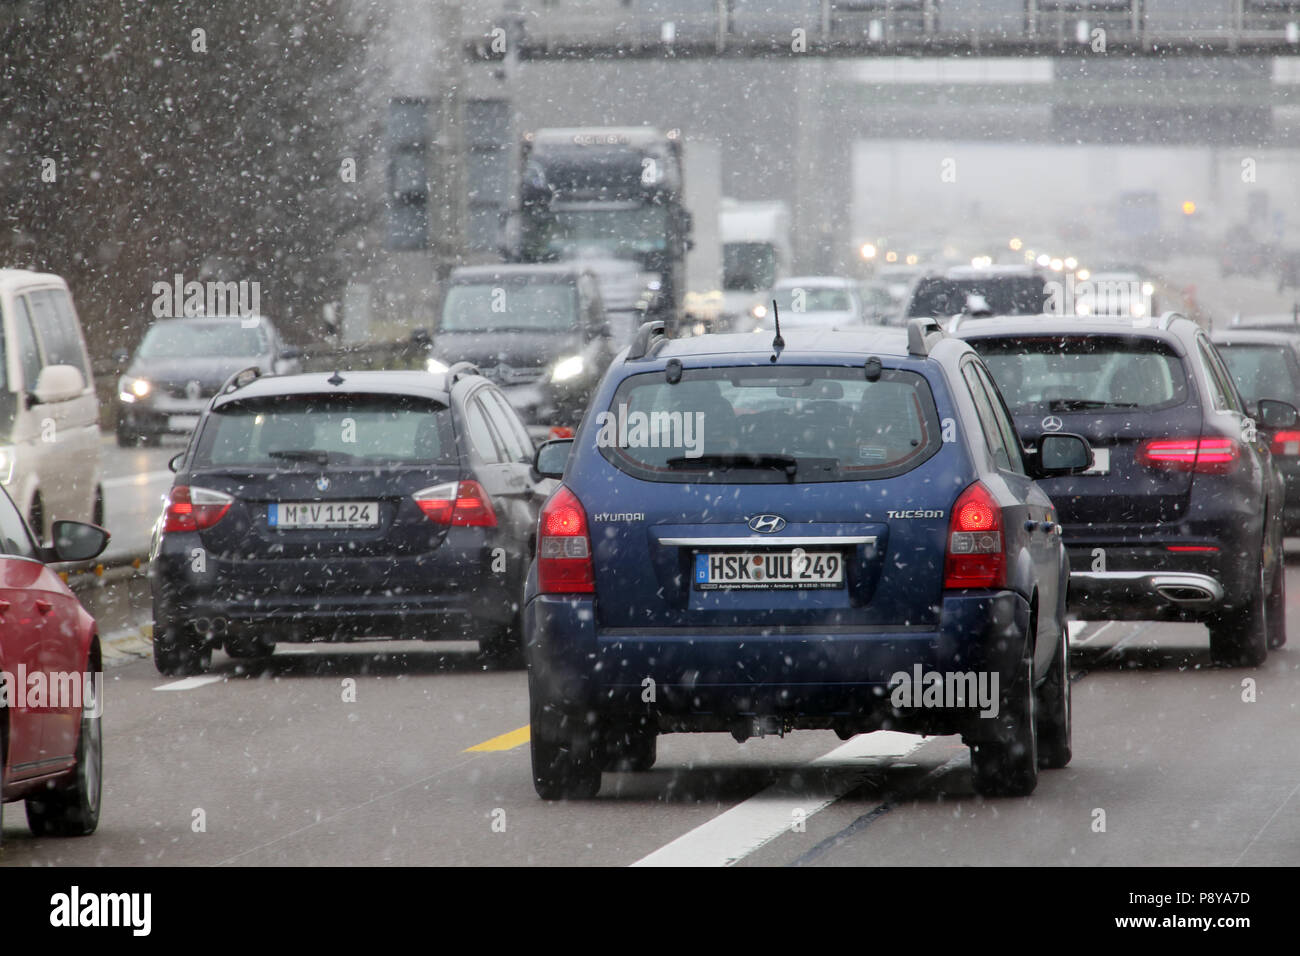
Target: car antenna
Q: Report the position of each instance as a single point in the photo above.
(778, 343)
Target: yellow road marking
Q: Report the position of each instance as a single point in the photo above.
(507, 741)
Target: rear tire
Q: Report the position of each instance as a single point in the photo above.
(563, 751)
(1277, 605)
(632, 748)
(127, 438)
(176, 650)
(72, 809)
(1005, 764)
(1054, 750)
(1239, 637)
(504, 648)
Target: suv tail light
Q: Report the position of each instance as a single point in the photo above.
(1286, 443)
(1207, 456)
(463, 504)
(194, 509)
(564, 547)
(975, 557)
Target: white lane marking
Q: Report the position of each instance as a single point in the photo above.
(189, 683)
(144, 478)
(733, 835)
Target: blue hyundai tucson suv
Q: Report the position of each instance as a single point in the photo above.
(841, 532)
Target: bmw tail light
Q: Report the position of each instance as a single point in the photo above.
(975, 558)
(463, 504)
(194, 509)
(1207, 456)
(564, 547)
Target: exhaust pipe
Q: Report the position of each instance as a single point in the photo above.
(1185, 594)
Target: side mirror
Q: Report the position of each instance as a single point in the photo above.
(421, 338)
(1062, 453)
(552, 457)
(58, 383)
(174, 463)
(1277, 414)
(78, 541)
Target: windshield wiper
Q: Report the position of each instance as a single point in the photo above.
(786, 463)
(1083, 404)
(300, 454)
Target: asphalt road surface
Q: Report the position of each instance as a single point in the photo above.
(135, 481)
(417, 754)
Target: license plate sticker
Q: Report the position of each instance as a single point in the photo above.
(768, 570)
(1100, 462)
(323, 514)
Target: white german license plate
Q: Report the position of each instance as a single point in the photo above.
(1100, 462)
(183, 423)
(768, 570)
(323, 514)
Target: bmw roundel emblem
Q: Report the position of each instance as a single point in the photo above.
(766, 524)
(1052, 423)
(322, 483)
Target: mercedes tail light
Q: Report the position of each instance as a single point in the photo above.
(1207, 456)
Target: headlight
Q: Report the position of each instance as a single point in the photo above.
(6, 463)
(568, 368)
(435, 366)
(759, 311)
(130, 389)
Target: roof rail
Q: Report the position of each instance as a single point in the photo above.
(459, 369)
(919, 333)
(647, 337)
(238, 380)
(1167, 318)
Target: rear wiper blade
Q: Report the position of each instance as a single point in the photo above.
(786, 463)
(300, 454)
(1082, 404)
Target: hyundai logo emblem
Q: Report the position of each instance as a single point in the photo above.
(1052, 424)
(322, 483)
(766, 524)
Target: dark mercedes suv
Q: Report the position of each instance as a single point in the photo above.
(1180, 517)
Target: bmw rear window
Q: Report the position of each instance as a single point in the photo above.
(315, 431)
(769, 425)
(1076, 373)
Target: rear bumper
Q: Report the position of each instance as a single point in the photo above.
(805, 677)
(1143, 595)
(450, 594)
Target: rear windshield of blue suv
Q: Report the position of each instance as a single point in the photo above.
(1084, 373)
(770, 425)
(311, 431)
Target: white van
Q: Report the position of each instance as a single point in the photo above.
(49, 414)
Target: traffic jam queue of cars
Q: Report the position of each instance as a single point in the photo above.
(842, 529)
